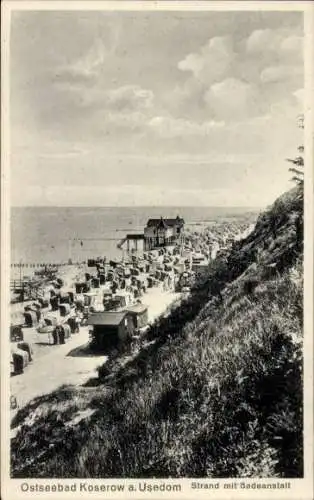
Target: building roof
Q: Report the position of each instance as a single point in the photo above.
(165, 222)
(137, 308)
(109, 318)
(135, 236)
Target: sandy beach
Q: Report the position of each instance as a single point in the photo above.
(71, 363)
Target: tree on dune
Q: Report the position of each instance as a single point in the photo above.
(298, 161)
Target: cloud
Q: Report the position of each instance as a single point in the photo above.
(95, 99)
(116, 86)
(273, 74)
(129, 97)
(232, 99)
(278, 42)
(167, 126)
(293, 45)
(238, 79)
(212, 61)
(262, 40)
(87, 67)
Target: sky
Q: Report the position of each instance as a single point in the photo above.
(154, 108)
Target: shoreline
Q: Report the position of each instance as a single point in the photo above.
(74, 364)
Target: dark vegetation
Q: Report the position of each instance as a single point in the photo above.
(217, 390)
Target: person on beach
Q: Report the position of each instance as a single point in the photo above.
(55, 336)
(61, 334)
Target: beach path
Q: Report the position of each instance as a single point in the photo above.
(61, 364)
(71, 363)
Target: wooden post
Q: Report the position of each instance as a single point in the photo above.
(70, 250)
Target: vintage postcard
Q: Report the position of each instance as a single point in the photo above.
(157, 250)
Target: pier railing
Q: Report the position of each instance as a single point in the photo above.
(37, 265)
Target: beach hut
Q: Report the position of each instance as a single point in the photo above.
(110, 329)
(139, 314)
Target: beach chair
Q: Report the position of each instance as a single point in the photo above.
(74, 324)
(102, 278)
(25, 346)
(30, 319)
(16, 333)
(65, 298)
(18, 363)
(67, 331)
(54, 302)
(60, 335)
(95, 282)
(64, 309)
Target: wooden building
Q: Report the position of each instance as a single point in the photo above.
(110, 329)
(139, 314)
(163, 232)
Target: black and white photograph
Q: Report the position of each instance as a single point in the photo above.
(155, 182)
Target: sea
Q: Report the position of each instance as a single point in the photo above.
(55, 234)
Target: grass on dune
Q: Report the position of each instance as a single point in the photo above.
(217, 393)
(223, 399)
